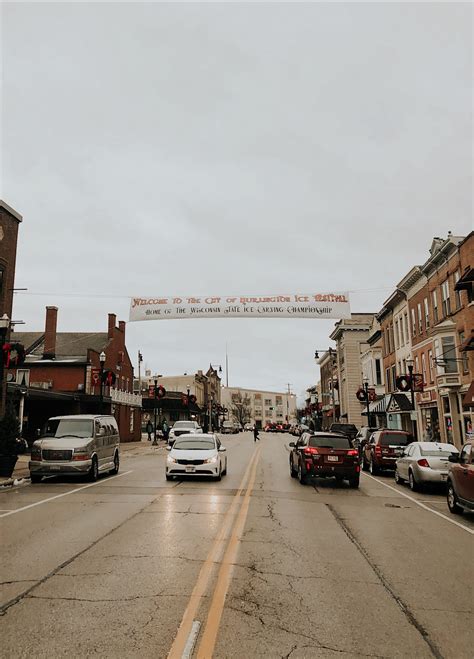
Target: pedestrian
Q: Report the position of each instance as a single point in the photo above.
(255, 434)
(166, 431)
(149, 429)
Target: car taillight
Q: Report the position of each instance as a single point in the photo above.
(310, 450)
(423, 462)
(352, 451)
(378, 450)
(36, 453)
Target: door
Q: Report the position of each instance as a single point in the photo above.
(464, 475)
(404, 462)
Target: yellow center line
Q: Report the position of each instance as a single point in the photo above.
(199, 589)
(208, 641)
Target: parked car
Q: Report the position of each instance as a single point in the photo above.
(76, 445)
(326, 455)
(422, 463)
(348, 429)
(228, 428)
(362, 438)
(183, 428)
(237, 427)
(196, 455)
(248, 427)
(383, 449)
(460, 490)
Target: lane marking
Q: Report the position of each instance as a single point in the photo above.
(179, 643)
(64, 494)
(422, 505)
(193, 634)
(214, 616)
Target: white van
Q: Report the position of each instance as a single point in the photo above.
(80, 444)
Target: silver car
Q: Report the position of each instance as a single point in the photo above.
(80, 444)
(422, 463)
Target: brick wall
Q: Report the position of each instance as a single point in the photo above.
(9, 222)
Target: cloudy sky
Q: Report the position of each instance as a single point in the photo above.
(228, 149)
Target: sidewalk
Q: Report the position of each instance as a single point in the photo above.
(21, 470)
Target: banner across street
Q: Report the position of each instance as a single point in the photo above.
(314, 305)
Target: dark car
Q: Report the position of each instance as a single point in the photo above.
(326, 455)
(362, 438)
(460, 491)
(383, 449)
(348, 429)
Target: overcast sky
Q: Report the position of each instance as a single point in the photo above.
(227, 149)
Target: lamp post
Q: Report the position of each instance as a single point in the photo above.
(102, 358)
(155, 391)
(188, 387)
(366, 392)
(4, 325)
(409, 363)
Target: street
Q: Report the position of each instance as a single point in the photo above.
(255, 565)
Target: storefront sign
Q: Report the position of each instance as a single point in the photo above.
(314, 305)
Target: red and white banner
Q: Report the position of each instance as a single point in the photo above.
(314, 305)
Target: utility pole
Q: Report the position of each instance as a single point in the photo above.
(140, 359)
(288, 403)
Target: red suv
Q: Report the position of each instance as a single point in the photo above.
(460, 481)
(383, 449)
(326, 455)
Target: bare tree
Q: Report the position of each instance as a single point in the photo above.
(241, 408)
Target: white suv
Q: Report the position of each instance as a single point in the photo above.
(183, 428)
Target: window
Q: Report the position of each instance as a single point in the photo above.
(423, 366)
(394, 378)
(430, 364)
(427, 313)
(402, 335)
(378, 372)
(387, 379)
(445, 301)
(406, 328)
(420, 319)
(397, 338)
(434, 299)
(464, 357)
(457, 294)
(417, 365)
(268, 401)
(449, 354)
(413, 322)
(132, 419)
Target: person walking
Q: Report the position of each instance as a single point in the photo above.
(166, 431)
(255, 434)
(149, 429)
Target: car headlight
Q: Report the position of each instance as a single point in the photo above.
(171, 460)
(211, 460)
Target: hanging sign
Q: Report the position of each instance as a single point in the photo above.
(314, 305)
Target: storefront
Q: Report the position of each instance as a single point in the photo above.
(399, 413)
(468, 413)
(428, 418)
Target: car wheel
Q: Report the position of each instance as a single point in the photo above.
(35, 478)
(115, 469)
(374, 470)
(168, 477)
(219, 476)
(354, 482)
(414, 487)
(301, 476)
(452, 499)
(224, 473)
(293, 473)
(93, 474)
(398, 479)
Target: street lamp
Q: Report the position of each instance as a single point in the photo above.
(155, 392)
(102, 358)
(366, 392)
(409, 363)
(188, 387)
(4, 325)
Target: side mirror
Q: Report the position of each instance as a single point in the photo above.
(454, 458)
(292, 444)
(222, 449)
(168, 448)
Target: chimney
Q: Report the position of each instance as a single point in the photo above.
(112, 319)
(122, 324)
(49, 350)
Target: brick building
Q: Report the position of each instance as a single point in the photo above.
(328, 388)
(9, 223)
(61, 372)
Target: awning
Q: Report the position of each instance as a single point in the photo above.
(377, 407)
(468, 400)
(466, 281)
(398, 404)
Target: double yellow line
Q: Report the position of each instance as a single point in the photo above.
(235, 527)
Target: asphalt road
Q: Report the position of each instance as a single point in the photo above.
(256, 565)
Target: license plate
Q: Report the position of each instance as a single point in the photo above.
(55, 467)
(333, 458)
(190, 470)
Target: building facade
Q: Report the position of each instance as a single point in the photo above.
(329, 388)
(265, 407)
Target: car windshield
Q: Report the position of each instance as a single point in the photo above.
(434, 452)
(183, 424)
(58, 428)
(330, 442)
(391, 438)
(194, 444)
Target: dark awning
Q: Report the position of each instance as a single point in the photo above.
(466, 281)
(377, 407)
(468, 400)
